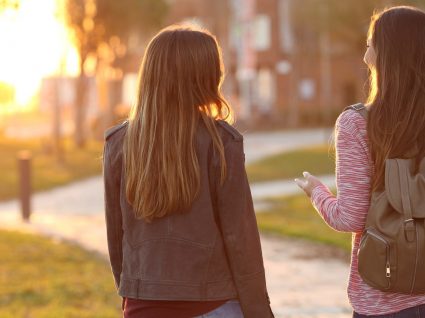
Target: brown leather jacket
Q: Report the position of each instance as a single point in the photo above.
(210, 252)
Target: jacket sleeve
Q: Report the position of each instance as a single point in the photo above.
(112, 177)
(238, 225)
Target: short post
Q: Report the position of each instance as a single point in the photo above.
(24, 166)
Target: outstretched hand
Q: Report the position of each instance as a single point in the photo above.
(308, 184)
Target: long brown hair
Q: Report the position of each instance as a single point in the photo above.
(179, 86)
(396, 122)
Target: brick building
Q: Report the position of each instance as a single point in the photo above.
(278, 71)
(288, 72)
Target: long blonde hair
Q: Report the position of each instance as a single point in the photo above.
(179, 85)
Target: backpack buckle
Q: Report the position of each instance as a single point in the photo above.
(410, 230)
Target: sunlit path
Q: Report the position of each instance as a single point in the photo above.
(260, 145)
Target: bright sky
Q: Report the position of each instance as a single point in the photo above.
(34, 44)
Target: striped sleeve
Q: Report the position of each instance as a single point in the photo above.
(347, 211)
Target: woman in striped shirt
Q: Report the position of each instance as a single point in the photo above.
(396, 123)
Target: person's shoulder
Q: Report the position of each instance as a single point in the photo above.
(114, 141)
(351, 117)
(229, 131)
(116, 130)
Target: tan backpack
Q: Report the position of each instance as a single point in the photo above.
(391, 254)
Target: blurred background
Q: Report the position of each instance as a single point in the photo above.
(69, 70)
(69, 67)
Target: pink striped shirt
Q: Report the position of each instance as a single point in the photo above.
(347, 212)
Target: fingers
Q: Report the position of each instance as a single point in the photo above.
(306, 175)
(301, 183)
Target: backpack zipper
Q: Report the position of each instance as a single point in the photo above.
(388, 271)
(416, 261)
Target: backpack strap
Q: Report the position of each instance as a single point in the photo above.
(361, 108)
(409, 223)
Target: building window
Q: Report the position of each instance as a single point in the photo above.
(265, 90)
(261, 32)
(307, 89)
(285, 26)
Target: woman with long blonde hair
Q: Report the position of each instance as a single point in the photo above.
(395, 128)
(182, 234)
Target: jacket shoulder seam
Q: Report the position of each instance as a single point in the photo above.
(236, 135)
(111, 131)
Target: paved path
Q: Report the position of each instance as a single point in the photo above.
(260, 145)
(264, 190)
(303, 279)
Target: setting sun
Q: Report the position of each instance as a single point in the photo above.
(34, 44)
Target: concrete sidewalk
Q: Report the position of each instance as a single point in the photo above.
(263, 190)
(260, 145)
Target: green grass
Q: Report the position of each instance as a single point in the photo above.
(42, 278)
(294, 216)
(47, 172)
(288, 165)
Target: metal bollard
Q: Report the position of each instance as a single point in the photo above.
(24, 166)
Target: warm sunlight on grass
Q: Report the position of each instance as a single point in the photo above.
(288, 165)
(43, 278)
(47, 172)
(294, 216)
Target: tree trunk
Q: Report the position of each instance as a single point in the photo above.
(80, 108)
(57, 123)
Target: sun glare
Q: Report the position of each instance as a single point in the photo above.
(34, 44)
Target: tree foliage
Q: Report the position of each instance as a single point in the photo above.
(347, 21)
(99, 23)
(121, 17)
(95, 21)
